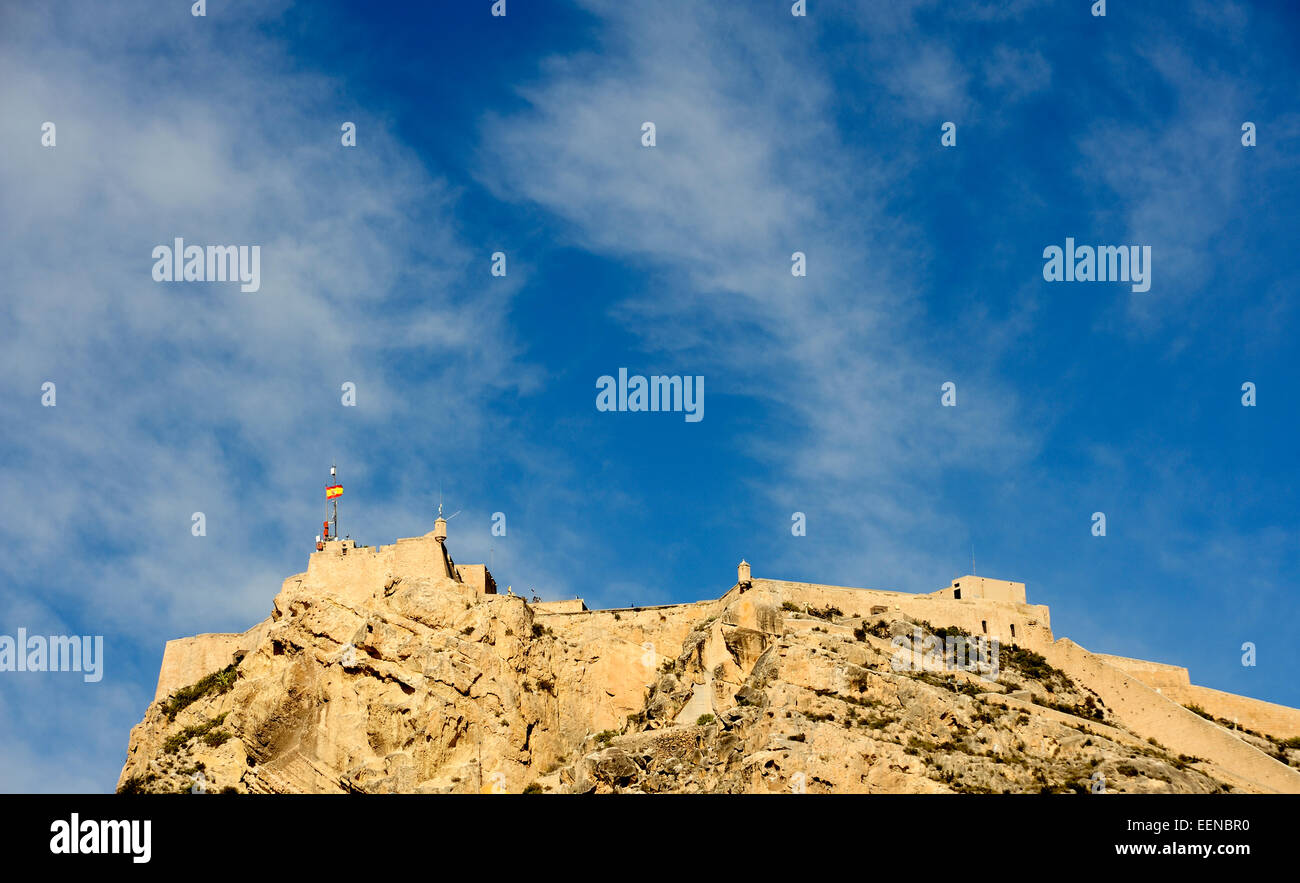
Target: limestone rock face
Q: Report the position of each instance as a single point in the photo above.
(425, 685)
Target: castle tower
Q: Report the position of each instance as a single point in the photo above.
(440, 536)
(742, 574)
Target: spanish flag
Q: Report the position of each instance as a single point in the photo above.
(334, 490)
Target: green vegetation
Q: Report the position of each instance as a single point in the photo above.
(704, 720)
(204, 730)
(218, 682)
(1293, 742)
(135, 784)
(791, 606)
(916, 745)
(216, 738)
(943, 632)
(828, 612)
(948, 682)
(1030, 664)
(533, 788)
(604, 737)
(879, 629)
(1087, 709)
(852, 700)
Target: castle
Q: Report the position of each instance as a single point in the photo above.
(980, 605)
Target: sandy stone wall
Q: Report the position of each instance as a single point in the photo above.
(1028, 625)
(420, 556)
(1252, 714)
(187, 660)
(356, 572)
(478, 576)
(1173, 681)
(1153, 674)
(353, 573)
(1154, 715)
(574, 605)
(973, 588)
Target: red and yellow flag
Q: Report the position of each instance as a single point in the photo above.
(334, 490)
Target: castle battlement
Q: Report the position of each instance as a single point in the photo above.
(972, 588)
(341, 566)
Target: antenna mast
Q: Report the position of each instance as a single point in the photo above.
(333, 491)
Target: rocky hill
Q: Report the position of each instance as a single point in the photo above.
(425, 684)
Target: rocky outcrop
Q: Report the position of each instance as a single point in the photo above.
(426, 685)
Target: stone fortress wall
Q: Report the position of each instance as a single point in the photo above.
(1010, 621)
(1152, 714)
(1173, 682)
(186, 660)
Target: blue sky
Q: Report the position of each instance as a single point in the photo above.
(521, 134)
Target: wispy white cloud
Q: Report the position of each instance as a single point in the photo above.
(748, 169)
(177, 398)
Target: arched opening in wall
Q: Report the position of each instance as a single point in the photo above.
(1013, 629)
(956, 594)
(984, 624)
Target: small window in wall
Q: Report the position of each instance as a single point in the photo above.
(956, 593)
(984, 624)
(1013, 629)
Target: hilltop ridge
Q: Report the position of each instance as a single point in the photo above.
(393, 669)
